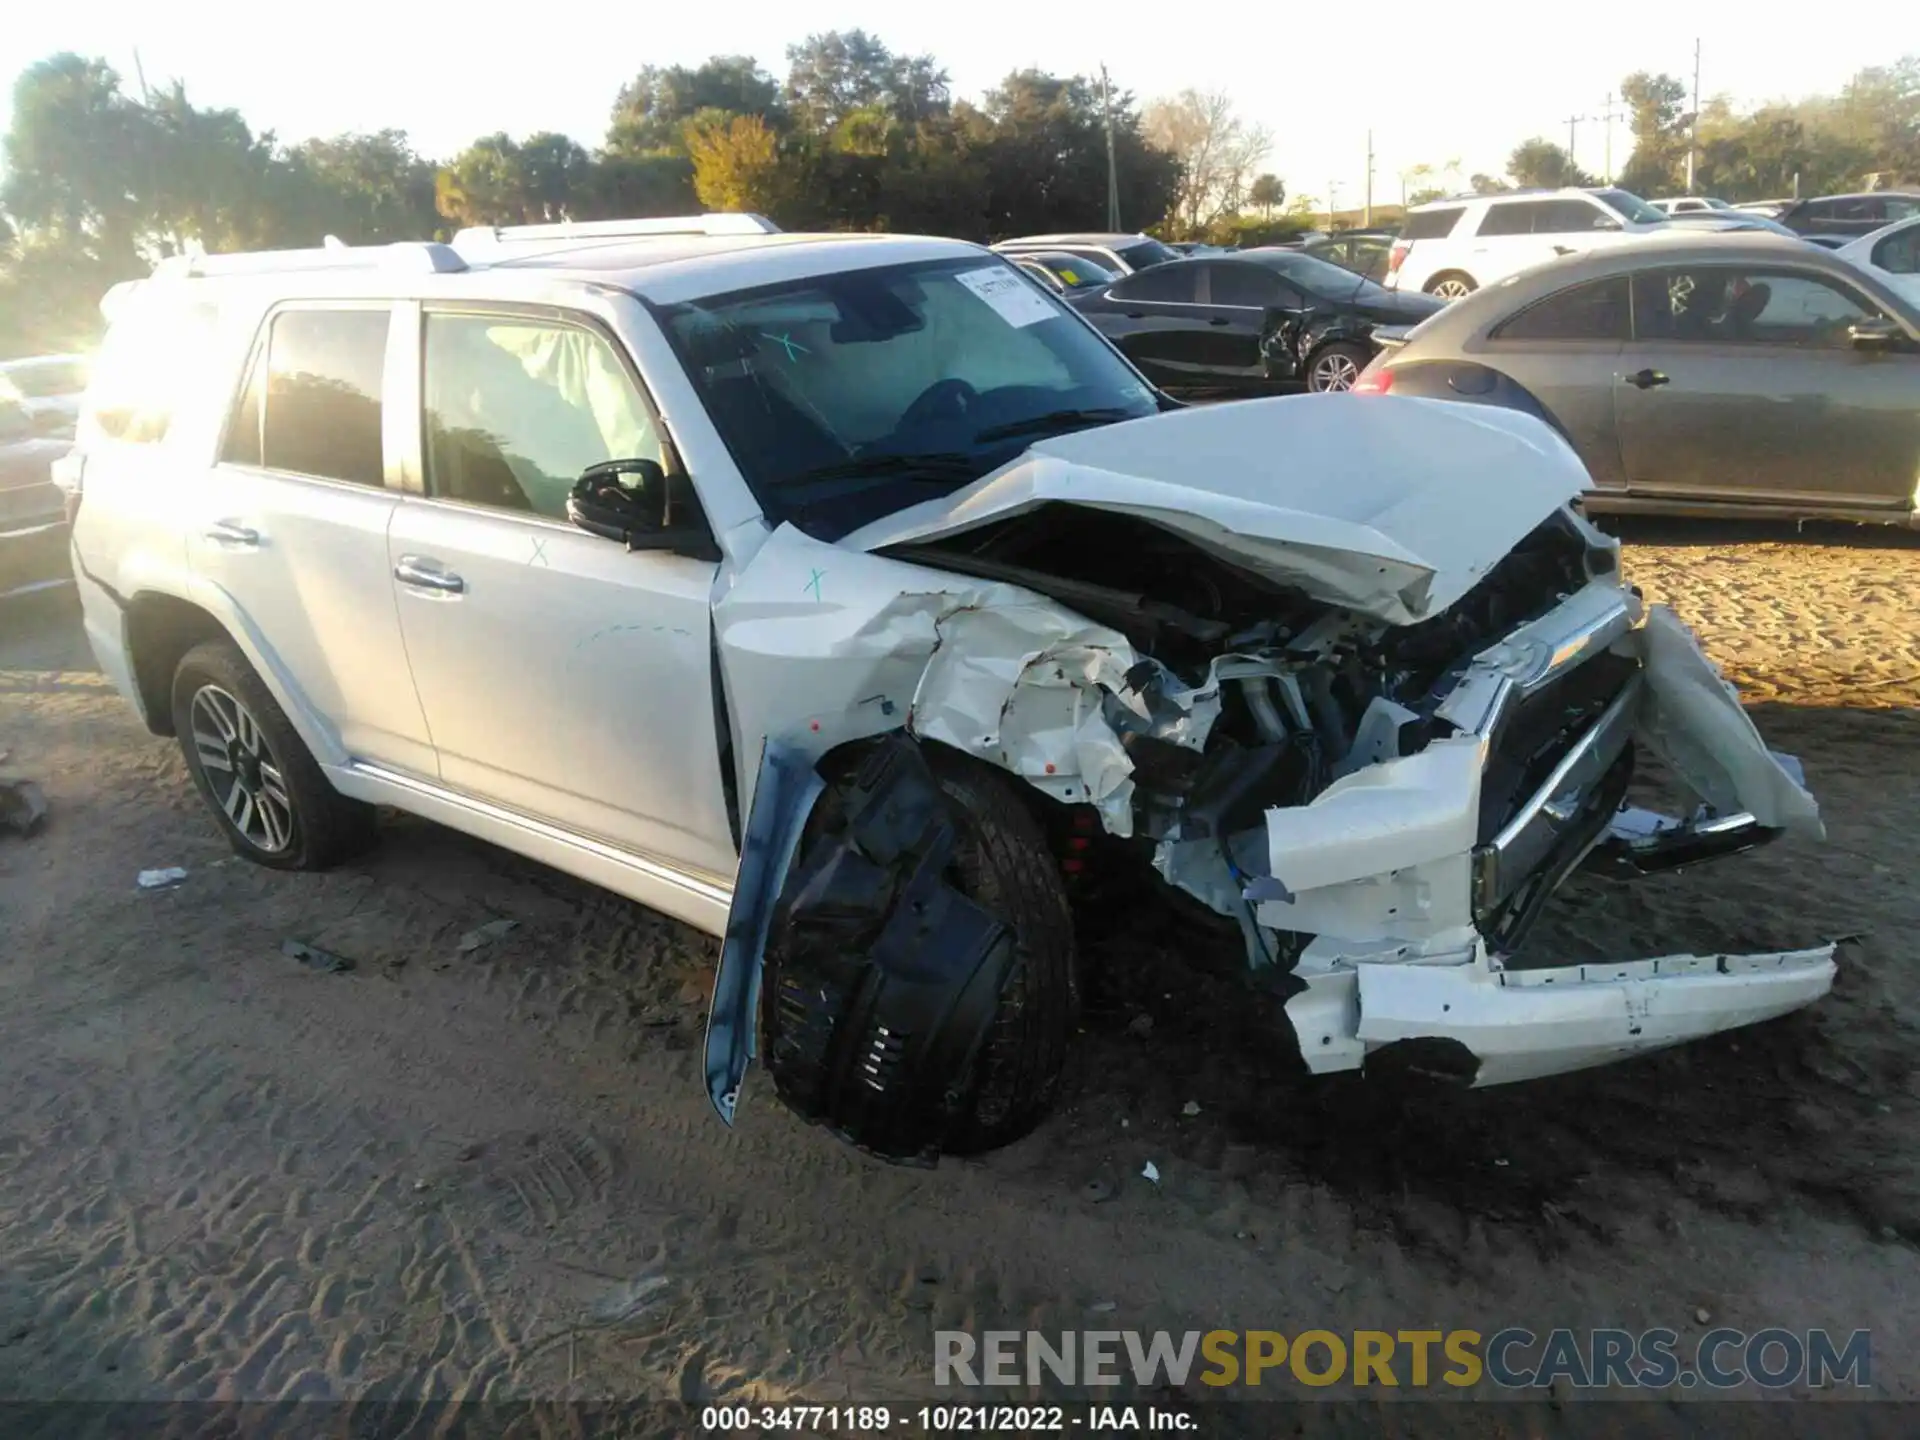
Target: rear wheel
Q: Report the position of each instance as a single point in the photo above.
(263, 786)
(1451, 285)
(1335, 367)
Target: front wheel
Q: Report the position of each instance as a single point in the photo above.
(264, 788)
(1451, 286)
(1335, 367)
(920, 992)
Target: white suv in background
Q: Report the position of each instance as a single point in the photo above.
(847, 595)
(1451, 248)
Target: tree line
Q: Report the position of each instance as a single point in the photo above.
(101, 182)
(1866, 135)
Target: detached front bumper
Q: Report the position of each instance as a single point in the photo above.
(1418, 876)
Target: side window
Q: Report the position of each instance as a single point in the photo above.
(1818, 212)
(1515, 217)
(1244, 284)
(153, 351)
(1564, 217)
(1858, 210)
(1899, 253)
(517, 408)
(1167, 284)
(1594, 311)
(1720, 305)
(1431, 224)
(312, 404)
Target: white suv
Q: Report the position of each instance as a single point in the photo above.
(1452, 247)
(850, 598)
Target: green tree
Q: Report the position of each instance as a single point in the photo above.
(737, 164)
(1539, 163)
(1268, 193)
(832, 75)
(1655, 114)
(365, 188)
(651, 110)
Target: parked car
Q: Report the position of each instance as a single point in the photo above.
(1256, 323)
(1708, 222)
(1689, 205)
(1063, 273)
(1453, 247)
(1849, 215)
(1190, 248)
(1770, 208)
(1732, 374)
(1122, 254)
(1364, 252)
(48, 388)
(33, 525)
(1828, 242)
(922, 588)
(1891, 255)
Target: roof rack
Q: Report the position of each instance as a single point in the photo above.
(416, 256)
(732, 222)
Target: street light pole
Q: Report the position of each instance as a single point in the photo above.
(1367, 219)
(1113, 174)
(1693, 125)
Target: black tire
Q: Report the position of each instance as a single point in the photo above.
(316, 825)
(1451, 285)
(1334, 368)
(1006, 867)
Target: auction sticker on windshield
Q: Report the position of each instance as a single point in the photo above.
(1016, 302)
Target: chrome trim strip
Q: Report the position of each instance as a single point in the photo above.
(1536, 827)
(653, 869)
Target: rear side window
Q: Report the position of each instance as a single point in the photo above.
(1597, 310)
(156, 347)
(1431, 224)
(1899, 253)
(1243, 284)
(312, 403)
(1562, 217)
(1143, 253)
(1170, 284)
(1514, 218)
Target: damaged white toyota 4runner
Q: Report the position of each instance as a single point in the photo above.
(823, 591)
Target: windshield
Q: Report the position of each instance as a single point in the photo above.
(1143, 253)
(1075, 272)
(1630, 206)
(845, 397)
(1326, 281)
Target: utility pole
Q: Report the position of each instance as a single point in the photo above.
(1693, 125)
(1367, 219)
(1113, 173)
(1333, 187)
(1610, 116)
(139, 71)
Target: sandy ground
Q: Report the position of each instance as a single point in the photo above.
(493, 1173)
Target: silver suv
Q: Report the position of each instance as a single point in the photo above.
(849, 598)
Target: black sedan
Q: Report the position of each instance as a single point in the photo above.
(1255, 323)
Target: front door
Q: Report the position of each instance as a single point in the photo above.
(292, 525)
(1742, 384)
(564, 677)
(1255, 321)
(1565, 349)
(1154, 317)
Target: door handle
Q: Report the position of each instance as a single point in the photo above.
(1563, 249)
(1136, 314)
(1219, 320)
(233, 535)
(1646, 379)
(425, 575)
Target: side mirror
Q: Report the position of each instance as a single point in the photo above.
(636, 503)
(1876, 334)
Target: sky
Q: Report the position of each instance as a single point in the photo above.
(1432, 82)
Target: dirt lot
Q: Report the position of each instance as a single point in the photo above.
(493, 1172)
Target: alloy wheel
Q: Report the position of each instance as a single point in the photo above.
(1334, 372)
(241, 769)
(1451, 290)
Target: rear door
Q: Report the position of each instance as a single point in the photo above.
(1742, 384)
(292, 524)
(1565, 349)
(1154, 317)
(1506, 242)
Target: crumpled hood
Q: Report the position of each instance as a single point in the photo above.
(1388, 505)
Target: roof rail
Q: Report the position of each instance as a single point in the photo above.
(417, 256)
(731, 222)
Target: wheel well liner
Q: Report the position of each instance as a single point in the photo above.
(160, 630)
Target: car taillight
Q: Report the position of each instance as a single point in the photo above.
(1396, 255)
(1374, 382)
